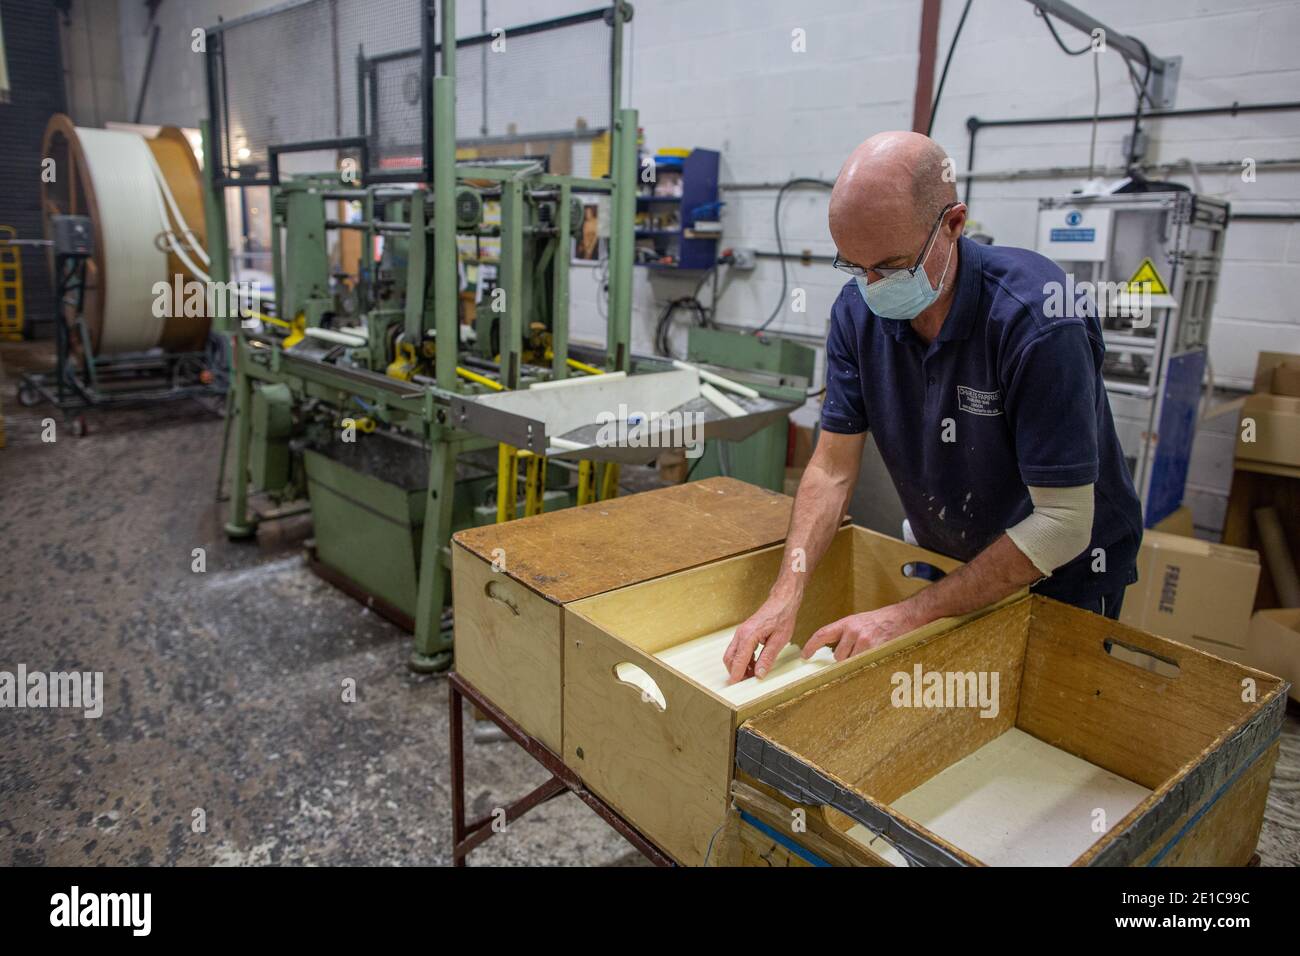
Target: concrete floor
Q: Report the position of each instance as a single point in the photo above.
(224, 689)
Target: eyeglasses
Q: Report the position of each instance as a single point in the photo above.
(853, 269)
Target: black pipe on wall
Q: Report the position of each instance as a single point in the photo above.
(974, 124)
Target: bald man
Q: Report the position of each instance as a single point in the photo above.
(989, 412)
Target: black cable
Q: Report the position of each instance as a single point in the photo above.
(947, 61)
(692, 301)
(1137, 109)
(1057, 37)
(780, 248)
(698, 458)
(713, 304)
(1140, 87)
(662, 344)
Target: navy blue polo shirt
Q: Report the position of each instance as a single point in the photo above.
(1005, 397)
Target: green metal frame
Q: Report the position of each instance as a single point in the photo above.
(420, 409)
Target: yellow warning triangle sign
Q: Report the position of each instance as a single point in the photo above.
(1147, 279)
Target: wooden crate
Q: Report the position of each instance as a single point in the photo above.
(509, 627)
(1090, 759)
(652, 732)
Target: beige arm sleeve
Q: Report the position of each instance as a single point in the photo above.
(1059, 527)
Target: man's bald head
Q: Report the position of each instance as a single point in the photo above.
(891, 187)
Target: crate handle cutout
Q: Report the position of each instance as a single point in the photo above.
(628, 673)
(922, 570)
(1140, 657)
(490, 590)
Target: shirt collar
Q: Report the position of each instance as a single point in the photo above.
(966, 296)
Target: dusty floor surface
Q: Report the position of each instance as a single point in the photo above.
(224, 690)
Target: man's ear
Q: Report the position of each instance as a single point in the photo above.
(956, 221)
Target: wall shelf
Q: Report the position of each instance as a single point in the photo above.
(686, 250)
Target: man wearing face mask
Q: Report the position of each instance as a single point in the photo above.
(989, 412)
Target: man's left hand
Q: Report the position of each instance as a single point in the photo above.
(857, 633)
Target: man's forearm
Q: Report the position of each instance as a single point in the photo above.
(997, 571)
(819, 507)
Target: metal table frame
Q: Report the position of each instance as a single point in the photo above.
(466, 836)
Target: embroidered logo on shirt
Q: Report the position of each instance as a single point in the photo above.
(977, 402)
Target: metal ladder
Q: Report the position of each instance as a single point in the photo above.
(11, 286)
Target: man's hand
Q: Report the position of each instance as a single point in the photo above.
(861, 632)
(771, 625)
(818, 510)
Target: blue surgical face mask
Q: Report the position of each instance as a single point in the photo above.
(904, 295)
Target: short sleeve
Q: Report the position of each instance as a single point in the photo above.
(1052, 408)
(843, 411)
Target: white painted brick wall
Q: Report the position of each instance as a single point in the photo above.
(721, 74)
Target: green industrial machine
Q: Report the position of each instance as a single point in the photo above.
(776, 368)
(373, 395)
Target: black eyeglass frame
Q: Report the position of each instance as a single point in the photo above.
(857, 271)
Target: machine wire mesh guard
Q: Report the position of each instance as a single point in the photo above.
(312, 71)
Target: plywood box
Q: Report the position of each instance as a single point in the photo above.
(649, 723)
(509, 581)
(1192, 590)
(1087, 759)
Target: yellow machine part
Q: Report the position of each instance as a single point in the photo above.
(364, 424)
(297, 328)
(480, 379)
(591, 488)
(11, 286)
(406, 363)
(594, 484)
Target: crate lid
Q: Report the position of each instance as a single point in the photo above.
(577, 552)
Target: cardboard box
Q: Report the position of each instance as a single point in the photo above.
(1278, 373)
(1273, 645)
(673, 466)
(1191, 590)
(1177, 522)
(1274, 437)
(1286, 379)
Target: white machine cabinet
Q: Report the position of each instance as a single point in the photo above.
(1154, 364)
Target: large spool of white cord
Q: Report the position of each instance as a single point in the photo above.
(120, 168)
(144, 198)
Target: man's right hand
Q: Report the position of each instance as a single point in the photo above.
(772, 625)
(819, 506)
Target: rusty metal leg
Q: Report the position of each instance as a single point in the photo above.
(457, 775)
(481, 829)
(467, 836)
